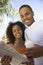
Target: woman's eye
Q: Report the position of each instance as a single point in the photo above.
(14, 30)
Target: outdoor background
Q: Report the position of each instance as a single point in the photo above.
(13, 15)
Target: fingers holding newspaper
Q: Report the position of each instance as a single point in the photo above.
(5, 60)
(25, 63)
(30, 60)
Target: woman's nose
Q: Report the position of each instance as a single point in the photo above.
(17, 31)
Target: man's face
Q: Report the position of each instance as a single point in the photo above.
(26, 16)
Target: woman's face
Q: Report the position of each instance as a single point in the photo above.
(17, 32)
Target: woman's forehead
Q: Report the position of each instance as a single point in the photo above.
(16, 26)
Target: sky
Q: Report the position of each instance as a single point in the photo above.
(36, 5)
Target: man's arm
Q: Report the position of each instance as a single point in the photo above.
(35, 51)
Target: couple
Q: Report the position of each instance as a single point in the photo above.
(33, 32)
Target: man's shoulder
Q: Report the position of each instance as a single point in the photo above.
(29, 43)
(39, 21)
(26, 28)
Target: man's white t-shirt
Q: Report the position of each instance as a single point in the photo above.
(35, 34)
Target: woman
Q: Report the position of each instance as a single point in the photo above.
(15, 35)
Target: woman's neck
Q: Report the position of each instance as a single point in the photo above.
(19, 42)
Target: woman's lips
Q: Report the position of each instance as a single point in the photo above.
(18, 34)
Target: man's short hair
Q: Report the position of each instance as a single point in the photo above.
(25, 6)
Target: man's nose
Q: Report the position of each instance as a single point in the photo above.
(25, 17)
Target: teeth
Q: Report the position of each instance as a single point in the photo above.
(18, 34)
(26, 21)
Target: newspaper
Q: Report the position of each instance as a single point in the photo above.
(5, 49)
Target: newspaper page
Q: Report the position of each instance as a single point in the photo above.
(17, 58)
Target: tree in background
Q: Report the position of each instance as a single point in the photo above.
(6, 8)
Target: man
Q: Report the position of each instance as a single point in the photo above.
(33, 32)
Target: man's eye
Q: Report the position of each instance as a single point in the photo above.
(21, 16)
(27, 14)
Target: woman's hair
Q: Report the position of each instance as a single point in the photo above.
(25, 6)
(9, 33)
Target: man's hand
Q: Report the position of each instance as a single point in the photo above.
(35, 51)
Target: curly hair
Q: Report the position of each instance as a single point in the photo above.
(9, 33)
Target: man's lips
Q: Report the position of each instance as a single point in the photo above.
(26, 21)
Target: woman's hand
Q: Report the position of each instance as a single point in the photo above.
(5, 60)
(25, 63)
(31, 62)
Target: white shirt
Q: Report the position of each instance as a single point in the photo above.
(35, 34)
